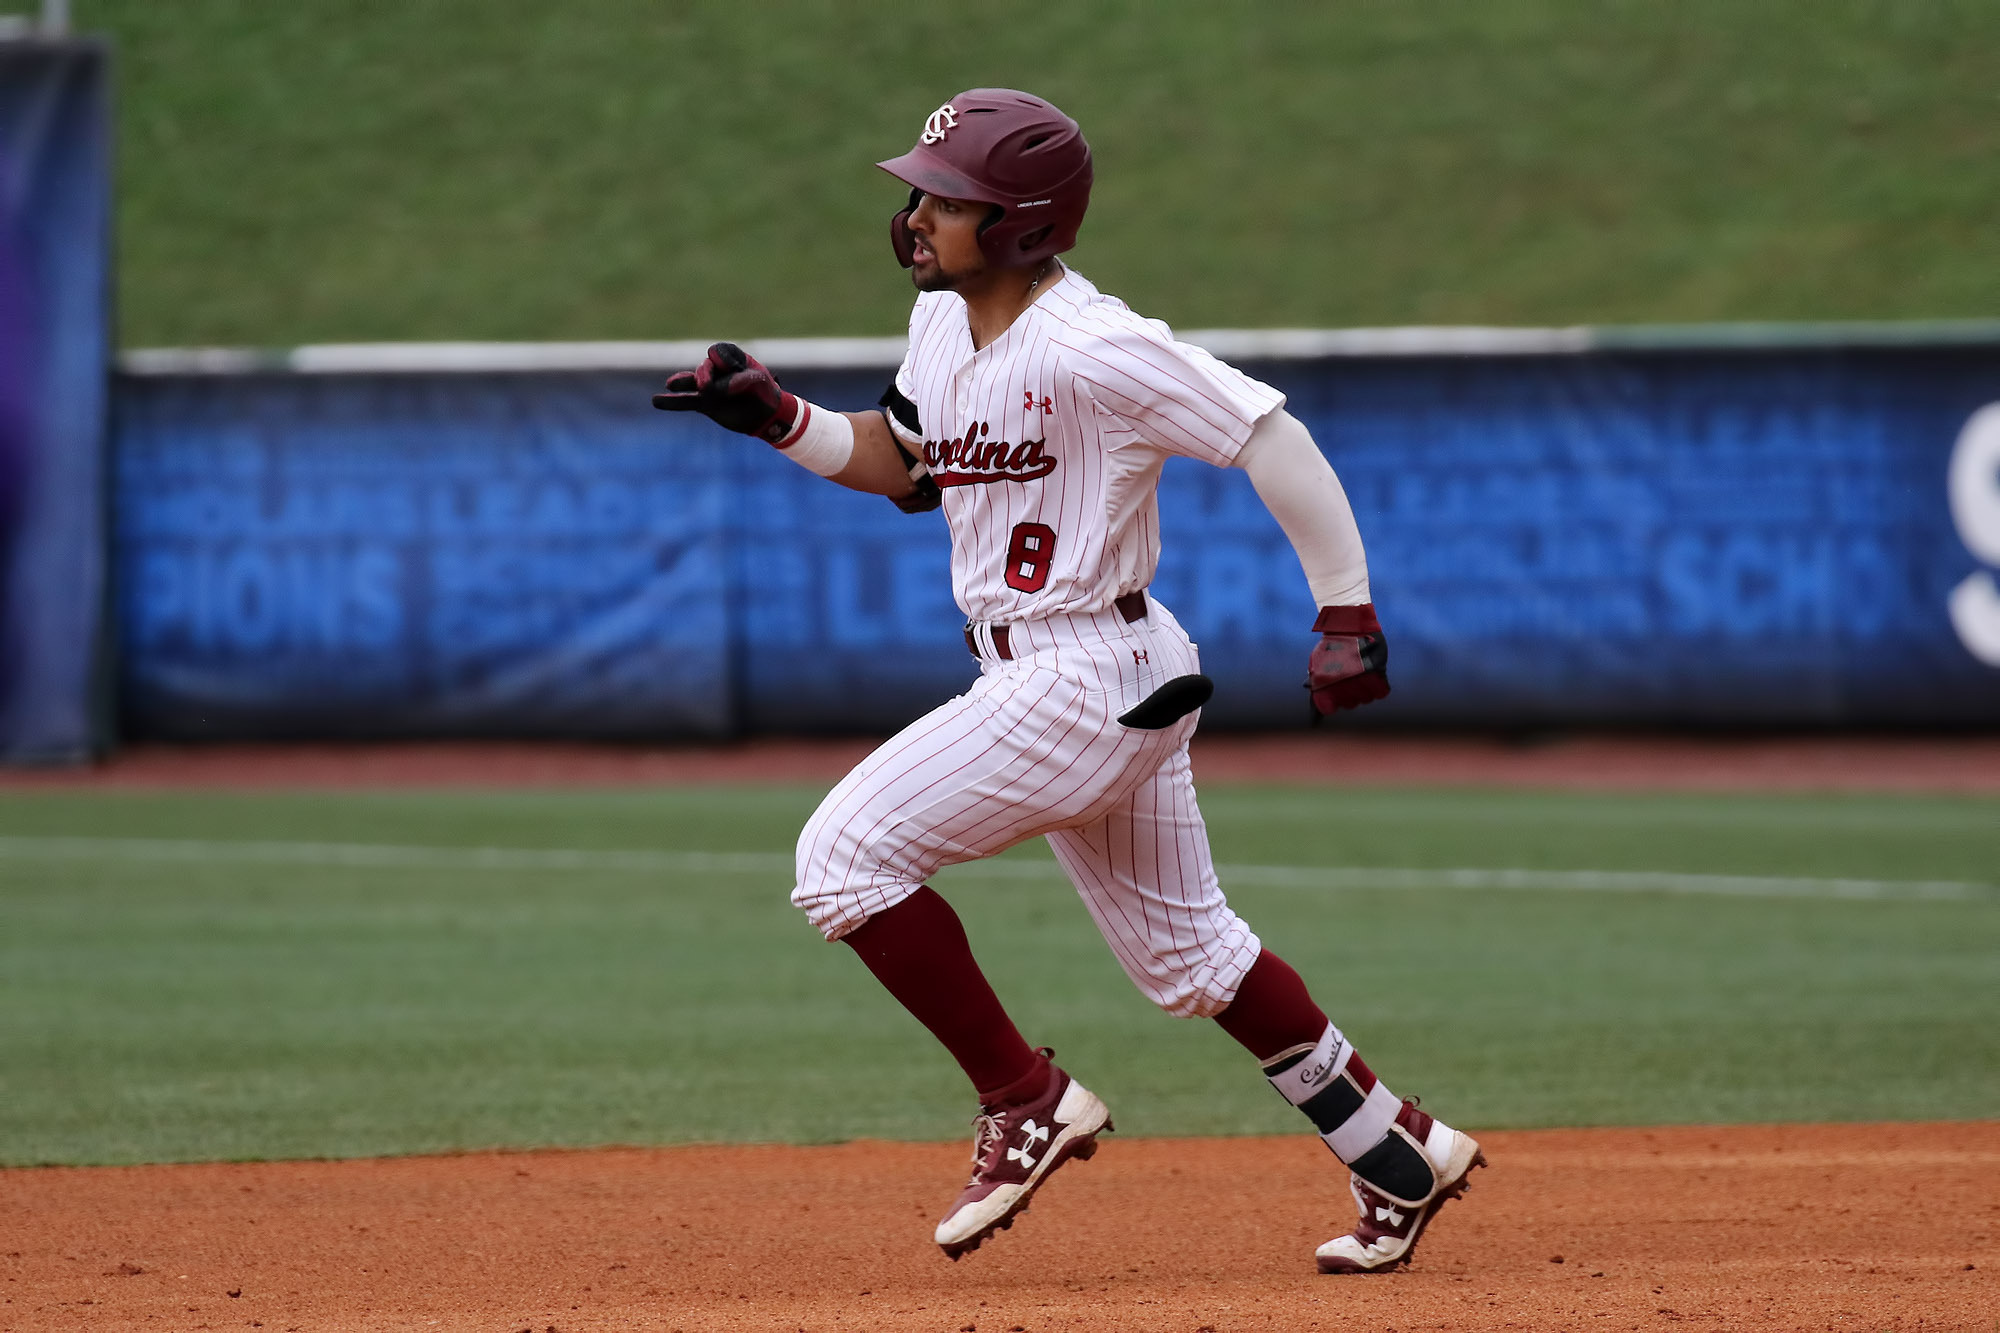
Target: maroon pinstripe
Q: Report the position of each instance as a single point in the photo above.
(1035, 746)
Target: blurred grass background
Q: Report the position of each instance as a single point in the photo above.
(360, 169)
(257, 997)
(513, 169)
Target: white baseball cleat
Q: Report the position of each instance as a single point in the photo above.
(1016, 1148)
(1390, 1224)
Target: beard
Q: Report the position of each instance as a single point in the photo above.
(934, 277)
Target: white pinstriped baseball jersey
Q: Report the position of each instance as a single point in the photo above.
(1048, 444)
(1049, 441)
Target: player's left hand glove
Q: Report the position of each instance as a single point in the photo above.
(1349, 666)
(735, 391)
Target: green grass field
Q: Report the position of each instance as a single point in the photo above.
(202, 975)
(322, 170)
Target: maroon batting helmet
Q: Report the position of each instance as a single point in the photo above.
(1006, 148)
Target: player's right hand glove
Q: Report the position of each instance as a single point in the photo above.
(735, 391)
(1349, 666)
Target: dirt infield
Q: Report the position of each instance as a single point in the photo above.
(1862, 1227)
(1655, 762)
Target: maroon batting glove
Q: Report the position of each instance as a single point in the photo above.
(734, 390)
(1349, 666)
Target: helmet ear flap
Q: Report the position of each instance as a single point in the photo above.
(900, 238)
(1034, 238)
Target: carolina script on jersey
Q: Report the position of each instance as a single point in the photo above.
(974, 460)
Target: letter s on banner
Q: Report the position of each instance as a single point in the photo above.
(1974, 488)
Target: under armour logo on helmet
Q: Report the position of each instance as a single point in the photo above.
(939, 123)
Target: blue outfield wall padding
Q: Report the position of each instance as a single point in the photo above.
(55, 363)
(1723, 537)
(1746, 537)
(418, 556)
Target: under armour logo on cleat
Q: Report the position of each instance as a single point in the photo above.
(1032, 1137)
(1389, 1215)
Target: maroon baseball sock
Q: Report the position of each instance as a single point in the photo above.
(1272, 1011)
(918, 950)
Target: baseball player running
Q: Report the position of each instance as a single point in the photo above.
(1038, 411)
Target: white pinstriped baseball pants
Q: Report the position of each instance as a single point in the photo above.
(1035, 747)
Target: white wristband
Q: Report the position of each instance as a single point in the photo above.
(821, 441)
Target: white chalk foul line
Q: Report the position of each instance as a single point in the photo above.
(382, 856)
(1607, 881)
(378, 856)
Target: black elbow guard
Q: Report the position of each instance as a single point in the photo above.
(905, 429)
(927, 495)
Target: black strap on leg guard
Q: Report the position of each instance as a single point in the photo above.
(1397, 1167)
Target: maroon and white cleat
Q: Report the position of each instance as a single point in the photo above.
(1421, 1164)
(1014, 1149)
